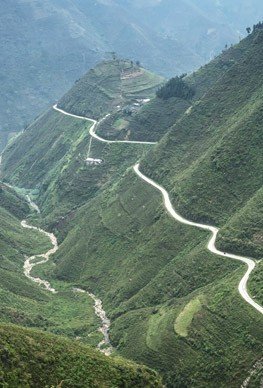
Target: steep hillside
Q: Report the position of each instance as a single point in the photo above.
(50, 155)
(205, 161)
(22, 301)
(36, 359)
(110, 84)
(33, 358)
(214, 149)
(154, 119)
(47, 45)
(173, 304)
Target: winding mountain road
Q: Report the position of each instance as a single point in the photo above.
(242, 288)
(94, 125)
(251, 264)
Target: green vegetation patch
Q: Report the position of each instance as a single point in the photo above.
(176, 87)
(35, 359)
(122, 246)
(120, 124)
(108, 85)
(184, 319)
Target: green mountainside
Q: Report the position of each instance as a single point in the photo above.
(108, 85)
(55, 166)
(31, 358)
(23, 302)
(35, 359)
(154, 119)
(174, 306)
(47, 44)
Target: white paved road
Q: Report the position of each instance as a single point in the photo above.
(242, 288)
(93, 128)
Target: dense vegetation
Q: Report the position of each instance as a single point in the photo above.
(155, 118)
(176, 87)
(53, 43)
(34, 359)
(258, 26)
(174, 306)
(108, 85)
(31, 358)
(55, 166)
(22, 301)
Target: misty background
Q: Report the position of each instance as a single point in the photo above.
(47, 44)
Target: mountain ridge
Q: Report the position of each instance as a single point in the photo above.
(148, 269)
(53, 44)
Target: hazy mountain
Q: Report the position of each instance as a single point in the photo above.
(46, 45)
(173, 304)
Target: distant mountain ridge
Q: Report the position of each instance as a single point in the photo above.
(174, 305)
(46, 45)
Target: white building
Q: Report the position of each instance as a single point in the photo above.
(92, 161)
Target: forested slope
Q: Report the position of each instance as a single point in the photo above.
(32, 358)
(174, 305)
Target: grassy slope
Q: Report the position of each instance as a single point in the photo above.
(149, 123)
(55, 164)
(210, 178)
(31, 358)
(153, 120)
(246, 226)
(211, 159)
(102, 89)
(23, 302)
(138, 282)
(146, 285)
(34, 359)
(52, 136)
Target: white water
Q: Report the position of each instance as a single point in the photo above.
(104, 346)
(29, 200)
(32, 204)
(31, 262)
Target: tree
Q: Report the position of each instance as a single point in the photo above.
(176, 87)
(248, 29)
(258, 26)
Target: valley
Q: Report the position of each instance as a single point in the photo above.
(211, 245)
(37, 69)
(104, 345)
(174, 293)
